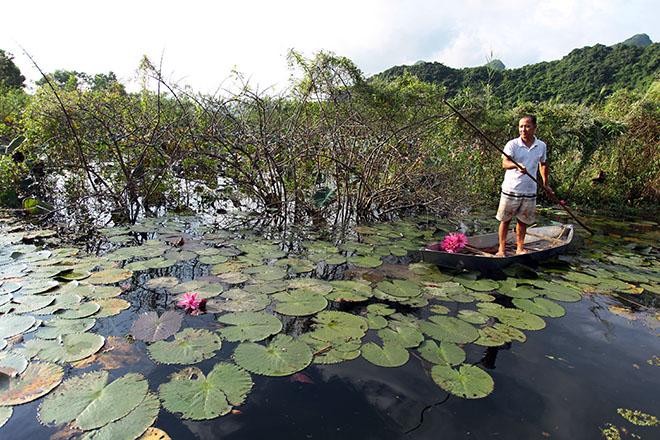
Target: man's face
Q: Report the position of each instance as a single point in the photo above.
(526, 129)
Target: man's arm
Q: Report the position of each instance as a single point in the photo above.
(508, 164)
(545, 176)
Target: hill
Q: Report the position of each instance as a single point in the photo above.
(585, 75)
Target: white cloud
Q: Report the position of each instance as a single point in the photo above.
(201, 42)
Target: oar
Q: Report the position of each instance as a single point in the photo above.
(552, 196)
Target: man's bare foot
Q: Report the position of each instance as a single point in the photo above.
(521, 251)
(500, 254)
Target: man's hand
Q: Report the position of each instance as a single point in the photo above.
(522, 169)
(549, 191)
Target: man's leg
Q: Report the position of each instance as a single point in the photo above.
(521, 230)
(501, 233)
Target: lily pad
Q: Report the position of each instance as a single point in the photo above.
(403, 335)
(249, 326)
(15, 361)
(11, 325)
(200, 397)
(299, 303)
(38, 379)
(366, 262)
(400, 288)
(333, 325)
(482, 285)
(468, 381)
(638, 418)
(83, 310)
(162, 283)
(444, 354)
(389, 355)
(282, 357)
(72, 347)
(111, 307)
(233, 278)
(56, 327)
(472, 316)
(90, 402)
(380, 309)
(266, 273)
(149, 327)
(237, 300)
(189, 346)
(516, 318)
(449, 329)
(110, 276)
(132, 425)
(540, 307)
(376, 322)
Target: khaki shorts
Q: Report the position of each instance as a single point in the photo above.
(523, 208)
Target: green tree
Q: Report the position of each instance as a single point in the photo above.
(10, 74)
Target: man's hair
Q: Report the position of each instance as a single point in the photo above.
(530, 117)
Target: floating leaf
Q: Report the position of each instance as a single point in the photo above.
(132, 425)
(299, 303)
(511, 289)
(400, 288)
(5, 414)
(237, 300)
(376, 322)
(200, 397)
(58, 327)
(249, 326)
(444, 354)
(449, 329)
(111, 307)
(14, 361)
(189, 346)
(282, 357)
(389, 355)
(516, 318)
(380, 309)
(90, 402)
(11, 325)
(333, 325)
(233, 278)
(155, 434)
(637, 417)
(38, 379)
(403, 335)
(266, 287)
(366, 262)
(468, 381)
(82, 311)
(482, 285)
(27, 304)
(472, 316)
(540, 306)
(110, 276)
(72, 347)
(266, 273)
(149, 327)
(162, 283)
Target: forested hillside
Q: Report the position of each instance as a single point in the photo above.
(586, 75)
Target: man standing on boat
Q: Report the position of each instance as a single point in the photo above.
(518, 198)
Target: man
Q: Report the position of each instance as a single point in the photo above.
(518, 196)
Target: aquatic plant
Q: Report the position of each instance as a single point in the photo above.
(454, 242)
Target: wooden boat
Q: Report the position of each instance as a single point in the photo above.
(541, 243)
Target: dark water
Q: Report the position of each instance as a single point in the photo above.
(565, 382)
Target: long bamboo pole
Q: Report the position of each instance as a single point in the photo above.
(552, 196)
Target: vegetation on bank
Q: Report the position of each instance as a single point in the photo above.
(334, 147)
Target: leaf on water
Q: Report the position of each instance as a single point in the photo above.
(446, 353)
(249, 326)
(73, 347)
(13, 360)
(189, 346)
(38, 379)
(56, 327)
(233, 278)
(516, 318)
(333, 325)
(472, 316)
(512, 289)
(468, 381)
(149, 327)
(389, 355)
(366, 262)
(482, 285)
(238, 300)
(299, 303)
(540, 307)
(380, 309)
(83, 310)
(11, 325)
(400, 288)
(376, 322)
(282, 357)
(266, 273)
(132, 425)
(5, 414)
(90, 402)
(111, 307)
(200, 397)
(266, 287)
(637, 417)
(155, 434)
(449, 329)
(110, 276)
(162, 283)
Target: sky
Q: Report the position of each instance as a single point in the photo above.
(200, 43)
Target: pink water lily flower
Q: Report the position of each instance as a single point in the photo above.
(453, 242)
(190, 302)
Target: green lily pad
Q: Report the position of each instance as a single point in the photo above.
(110, 276)
(468, 381)
(200, 397)
(38, 379)
(90, 402)
(299, 303)
(13, 360)
(511, 289)
(282, 357)
(83, 310)
(376, 322)
(27, 304)
(56, 327)
(188, 286)
(266, 273)
(400, 288)
(233, 277)
(189, 346)
(444, 354)
(439, 309)
(5, 414)
(581, 278)
(490, 337)
(540, 307)
(516, 318)
(389, 355)
(266, 287)
(510, 333)
(98, 292)
(366, 262)
(72, 347)
(380, 309)
(638, 418)
(149, 327)
(449, 329)
(249, 326)
(111, 307)
(333, 325)
(482, 285)
(312, 285)
(403, 335)
(162, 283)
(237, 300)
(11, 325)
(472, 316)
(132, 425)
